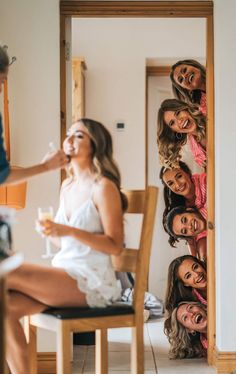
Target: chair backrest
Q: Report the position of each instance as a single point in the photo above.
(137, 260)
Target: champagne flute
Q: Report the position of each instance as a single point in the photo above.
(43, 214)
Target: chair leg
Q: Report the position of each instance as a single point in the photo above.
(31, 337)
(137, 350)
(63, 348)
(101, 355)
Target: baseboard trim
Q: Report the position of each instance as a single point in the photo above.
(225, 362)
(46, 362)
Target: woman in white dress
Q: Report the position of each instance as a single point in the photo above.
(88, 229)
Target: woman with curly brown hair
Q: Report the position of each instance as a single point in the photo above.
(178, 123)
(188, 79)
(186, 330)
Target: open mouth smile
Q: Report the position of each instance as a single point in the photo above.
(201, 279)
(194, 225)
(181, 188)
(186, 124)
(198, 318)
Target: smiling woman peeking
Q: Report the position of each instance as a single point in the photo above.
(178, 123)
(186, 330)
(187, 223)
(188, 79)
(187, 280)
(181, 187)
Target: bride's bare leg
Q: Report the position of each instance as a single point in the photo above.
(17, 349)
(49, 286)
(32, 288)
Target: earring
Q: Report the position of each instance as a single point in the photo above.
(13, 59)
(178, 135)
(193, 333)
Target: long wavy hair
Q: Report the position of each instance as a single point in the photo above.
(170, 145)
(182, 343)
(168, 217)
(102, 155)
(172, 199)
(190, 97)
(176, 290)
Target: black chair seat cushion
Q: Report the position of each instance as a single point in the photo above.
(116, 309)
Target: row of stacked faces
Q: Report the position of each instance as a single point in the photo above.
(183, 120)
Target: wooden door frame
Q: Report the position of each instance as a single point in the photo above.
(160, 9)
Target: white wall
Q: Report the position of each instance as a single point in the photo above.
(115, 51)
(31, 30)
(225, 135)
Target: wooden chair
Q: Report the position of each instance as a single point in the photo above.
(70, 320)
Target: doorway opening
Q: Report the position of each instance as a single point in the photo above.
(158, 10)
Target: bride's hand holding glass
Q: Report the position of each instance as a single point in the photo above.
(54, 229)
(45, 215)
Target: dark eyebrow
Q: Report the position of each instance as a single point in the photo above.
(168, 181)
(177, 173)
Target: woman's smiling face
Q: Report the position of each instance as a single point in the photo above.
(193, 317)
(189, 224)
(188, 77)
(180, 121)
(78, 141)
(178, 181)
(192, 274)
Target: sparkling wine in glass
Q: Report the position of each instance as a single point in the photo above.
(44, 214)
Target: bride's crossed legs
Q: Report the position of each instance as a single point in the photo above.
(32, 289)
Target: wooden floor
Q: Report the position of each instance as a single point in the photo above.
(156, 355)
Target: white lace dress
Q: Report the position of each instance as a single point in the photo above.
(92, 269)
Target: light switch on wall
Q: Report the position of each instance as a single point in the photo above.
(120, 126)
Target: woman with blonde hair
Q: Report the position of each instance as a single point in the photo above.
(186, 330)
(178, 123)
(188, 79)
(87, 230)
